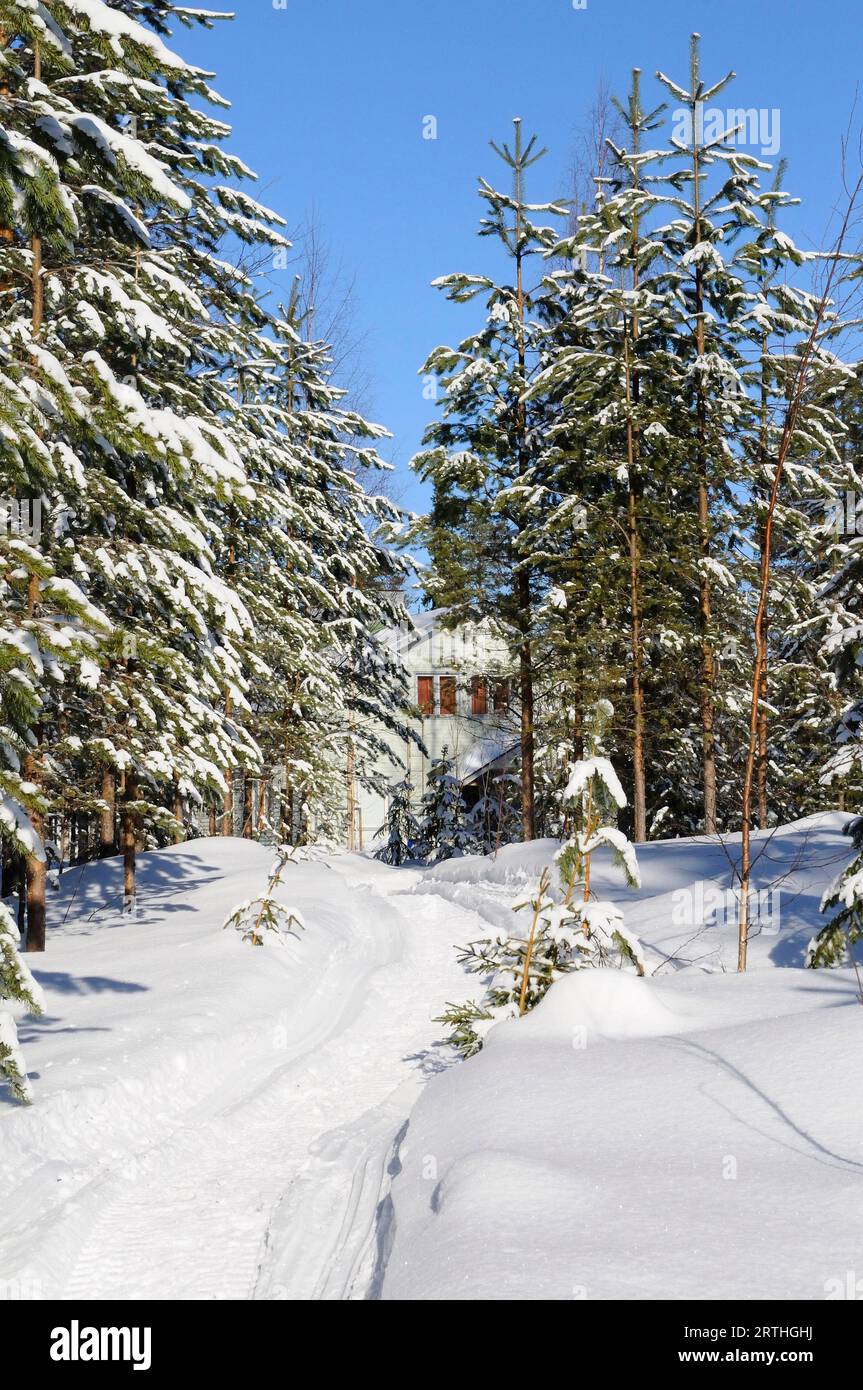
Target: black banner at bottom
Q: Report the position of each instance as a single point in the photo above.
(86, 1339)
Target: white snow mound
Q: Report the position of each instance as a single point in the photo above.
(593, 1003)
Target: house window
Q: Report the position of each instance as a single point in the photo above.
(478, 696)
(501, 695)
(425, 694)
(447, 695)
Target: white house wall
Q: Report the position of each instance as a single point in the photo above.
(466, 651)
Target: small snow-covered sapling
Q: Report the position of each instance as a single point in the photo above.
(264, 918)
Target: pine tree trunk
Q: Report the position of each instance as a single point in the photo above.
(38, 285)
(107, 832)
(228, 807)
(525, 661)
(351, 797)
(763, 748)
(708, 669)
(525, 655)
(36, 877)
(763, 447)
(179, 833)
(248, 808)
(128, 840)
(639, 789)
(37, 869)
(707, 679)
(36, 872)
(230, 570)
(7, 236)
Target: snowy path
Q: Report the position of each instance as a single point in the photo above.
(214, 1121)
(266, 1181)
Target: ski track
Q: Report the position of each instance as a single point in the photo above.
(281, 1192)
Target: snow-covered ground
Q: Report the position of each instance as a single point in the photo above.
(215, 1121)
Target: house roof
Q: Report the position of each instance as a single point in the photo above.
(493, 748)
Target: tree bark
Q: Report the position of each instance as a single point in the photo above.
(525, 655)
(248, 808)
(525, 662)
(37, 869)
(633, 459)
(107, 832)
(708, 659)
(38, 285)
(36, 876)
(763, 748)
(7, 236)
(128, 841)
(639, 785)
(179, 833)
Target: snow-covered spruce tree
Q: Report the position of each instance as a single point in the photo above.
(176, 315)
(402, 828)
(313, 570)
(152, 330)
(567, 932)
(832, 635)
(613, 377)
(834, 943)
(711, 192)
(264, 920)
(486, 451)
(443, 824)
(17, 986)
(795, 695)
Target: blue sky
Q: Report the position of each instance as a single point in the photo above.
(328, 100)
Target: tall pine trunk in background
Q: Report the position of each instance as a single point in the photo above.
(633, 461)
(128, 840)
(107, 832)
(37, 868)
(523, 597)
(705, 614)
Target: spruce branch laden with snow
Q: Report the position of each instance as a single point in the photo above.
(17, 986)
(834, 943)
(264, 919)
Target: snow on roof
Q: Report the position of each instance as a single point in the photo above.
(481, 756)
(415, 627)
(419, 627)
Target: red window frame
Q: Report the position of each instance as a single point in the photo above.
(425, 694)
(478, 696)
(448, 700)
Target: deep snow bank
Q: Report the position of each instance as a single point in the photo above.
(692, 1135)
